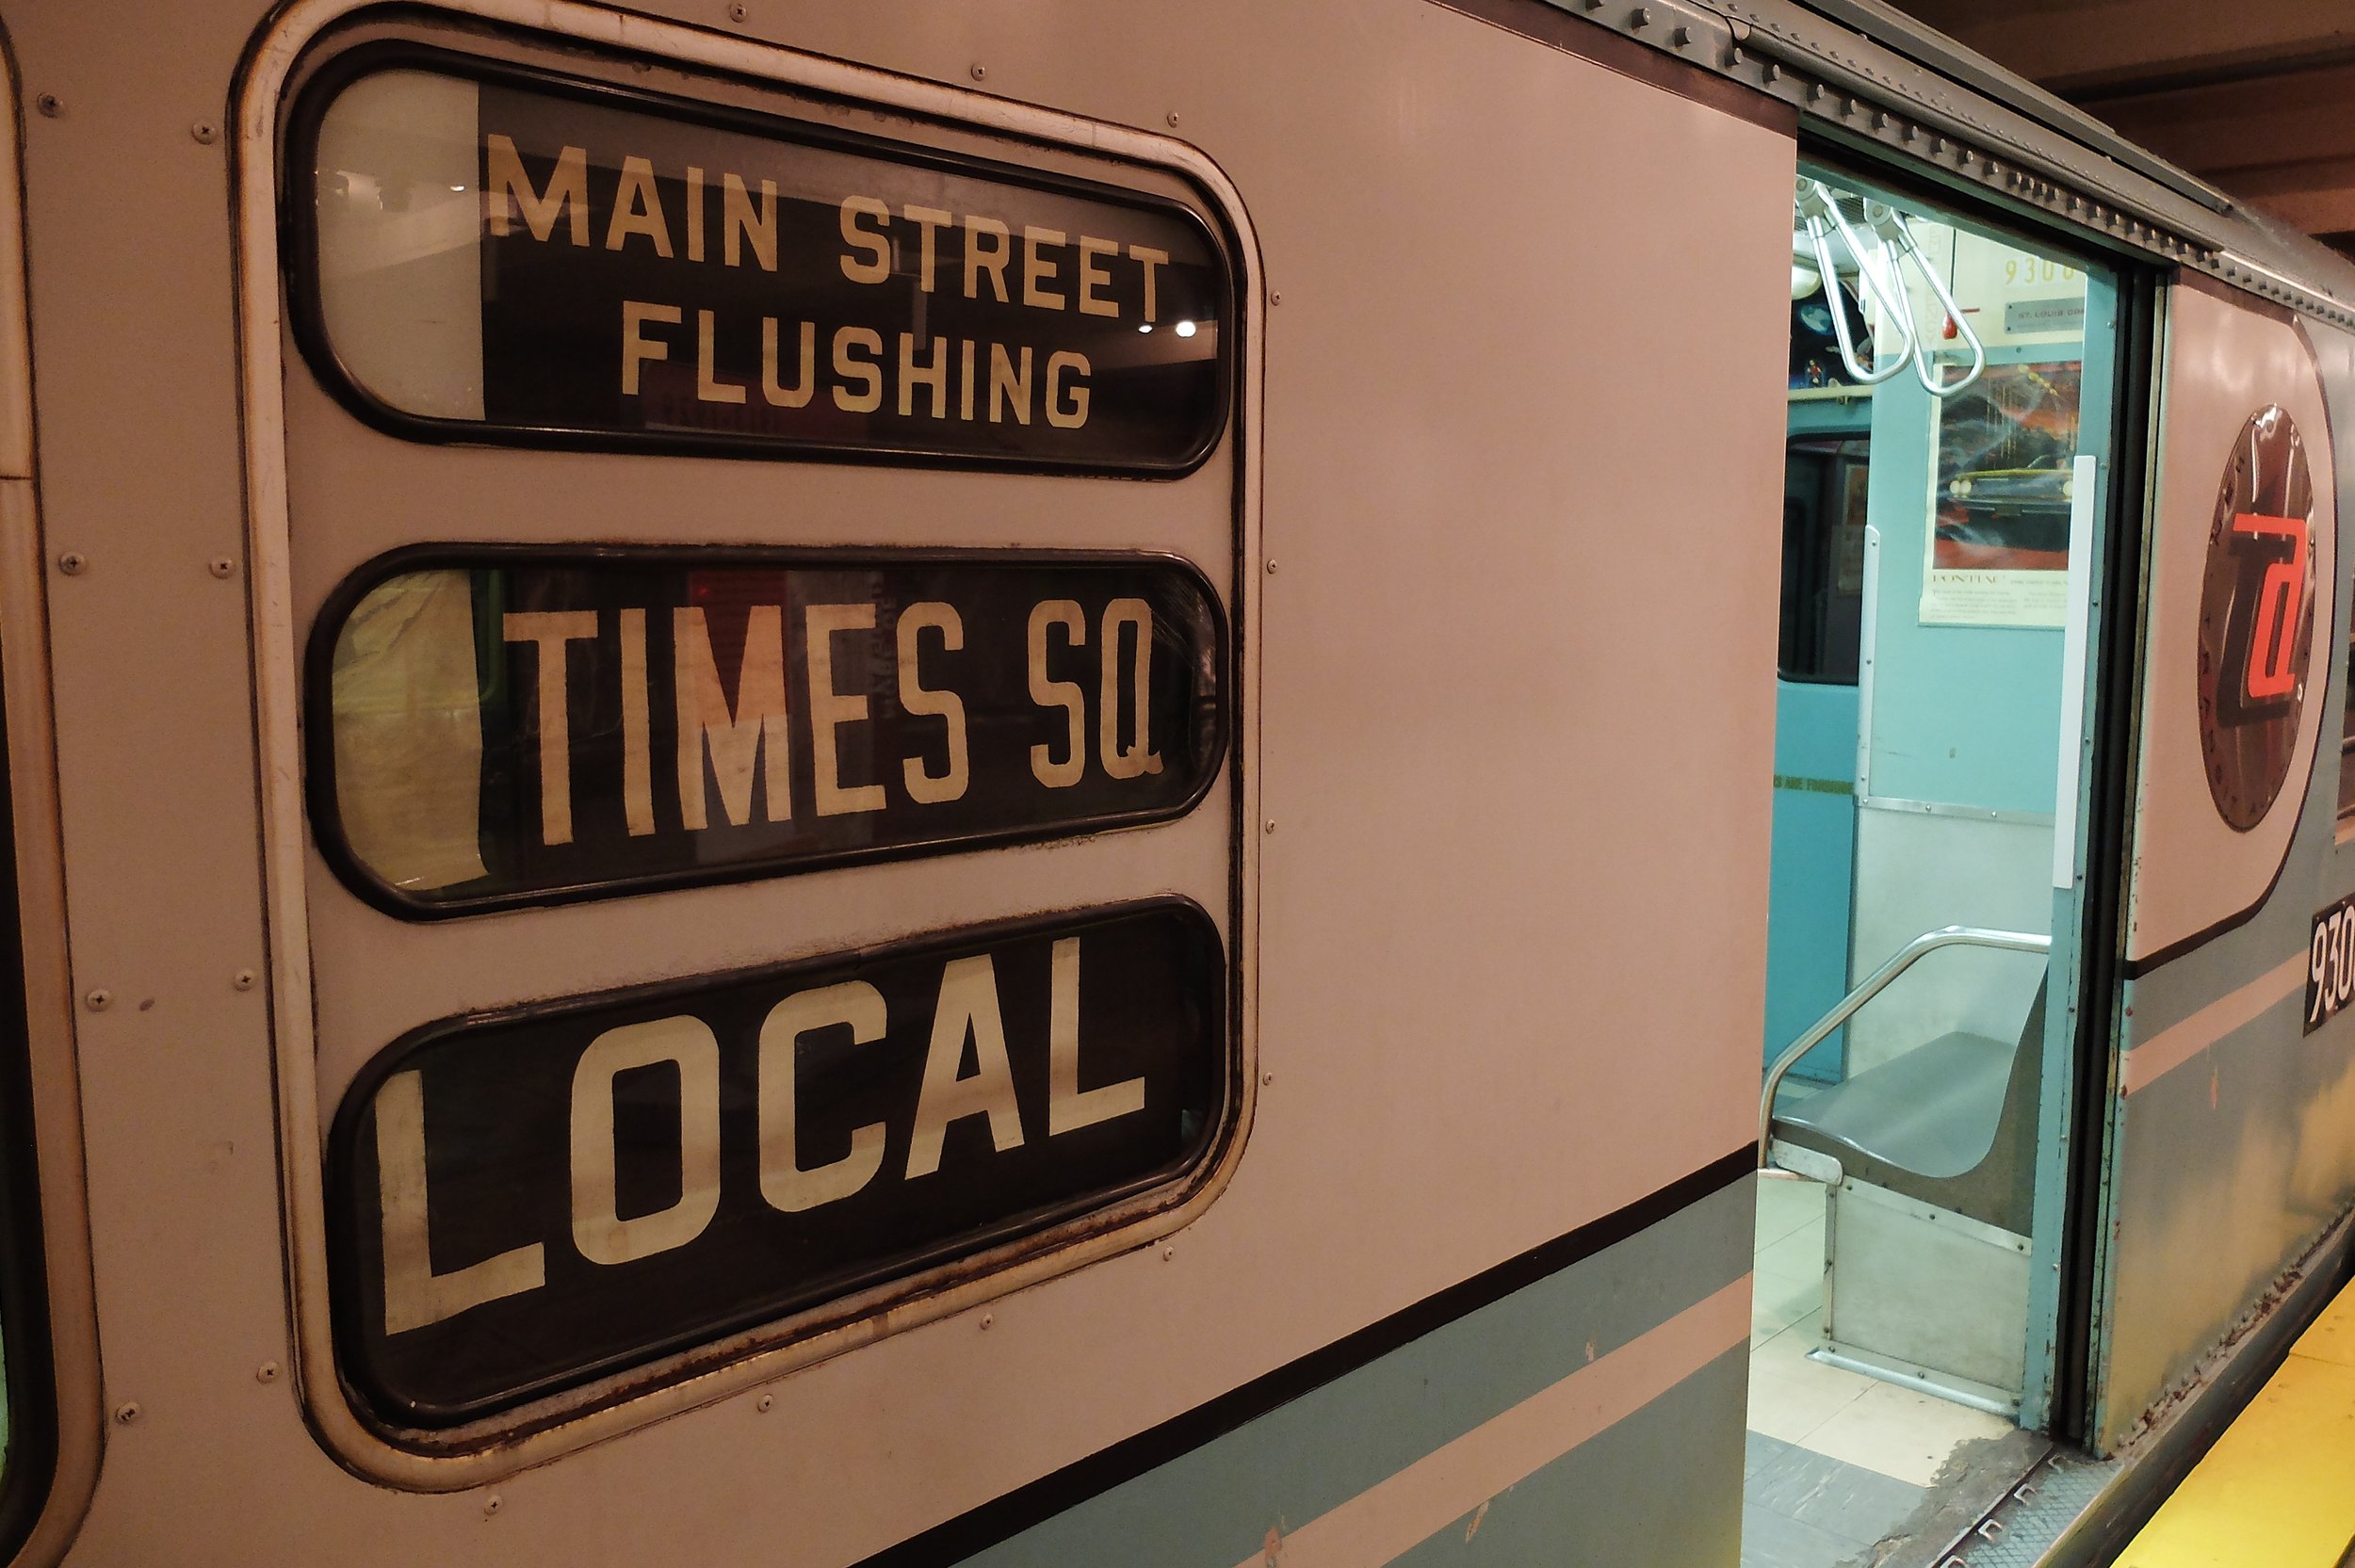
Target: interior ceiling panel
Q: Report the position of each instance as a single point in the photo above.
(2256, 97)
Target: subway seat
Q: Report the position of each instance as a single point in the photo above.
(1925, 1239)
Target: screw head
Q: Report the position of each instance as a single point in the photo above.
(242, 979)
(1267, 1077)
(1274, 299)
(74, 563)
(267, 1372)
(1173, 120)
(491, 1504)
(127, 1413)
(99, 1000)
(1168, 1252)
(765, 1403)
(736, 13)
(207, 131)
(981, 71)
(50, 104)
(988, 1318)
(220, 566)
(1270, 825)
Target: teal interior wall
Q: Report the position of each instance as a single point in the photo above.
(1964, 716)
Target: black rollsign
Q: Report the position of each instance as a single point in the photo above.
(655, 273)
(524, 1201)
(493, 726)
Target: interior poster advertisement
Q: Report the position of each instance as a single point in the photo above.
(1999, 513)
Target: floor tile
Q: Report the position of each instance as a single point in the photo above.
(1793, 1344)
(1770, 1540)
(1895, 1431)
(1783, 1297)
(1758, 1449)
(1798, 1255)
(1790, 1396)
(1833, 1494)
(1783, 1206)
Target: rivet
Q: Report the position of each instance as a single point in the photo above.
(491, 1504)
(1271, 825)
(98, 1000)
(267, 1372)
(1267, 1077)
(50, 104)
(736, 13)
(242, 979)
(126, 1413)
(1274, 299)
(1770, 72)
(1168, 1252)
(765, 1403)
(220, 566)
(1173, 120)
(1681, 38)
(73, 563)
(988, 1318)
(1271, 566)
(1642, 19)
(981, 71)
(1815, 93)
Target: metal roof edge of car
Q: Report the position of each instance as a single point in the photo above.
(1870, 74)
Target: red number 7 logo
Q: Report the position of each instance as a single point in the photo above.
(2273, 633)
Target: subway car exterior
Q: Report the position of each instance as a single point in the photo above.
(1156, 950)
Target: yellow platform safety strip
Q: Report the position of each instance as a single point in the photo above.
(2278, 1489)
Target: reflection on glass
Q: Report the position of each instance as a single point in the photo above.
(542, 725)
(509, 252)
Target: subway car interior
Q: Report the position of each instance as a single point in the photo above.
(1949, 396)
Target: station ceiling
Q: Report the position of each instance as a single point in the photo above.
(2257, 97)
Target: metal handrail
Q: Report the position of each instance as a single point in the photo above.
(1872, 986)
(1897, 242)
(1816, 204)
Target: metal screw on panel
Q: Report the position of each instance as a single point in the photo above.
(98, 1000)
(1173, 120)
(50, 104)
(988, 1318)
(1274, 299)
(765, 1403)
(126, 1413)
(267, 1372)
(220, 566)
(491, 1504)
(242, 979)
(981, 71)
(736, 13)
(73, 563)
(1267, 1077)
(1168, 1252)
(207, 133)
(1271, 566)
(1270, 824)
